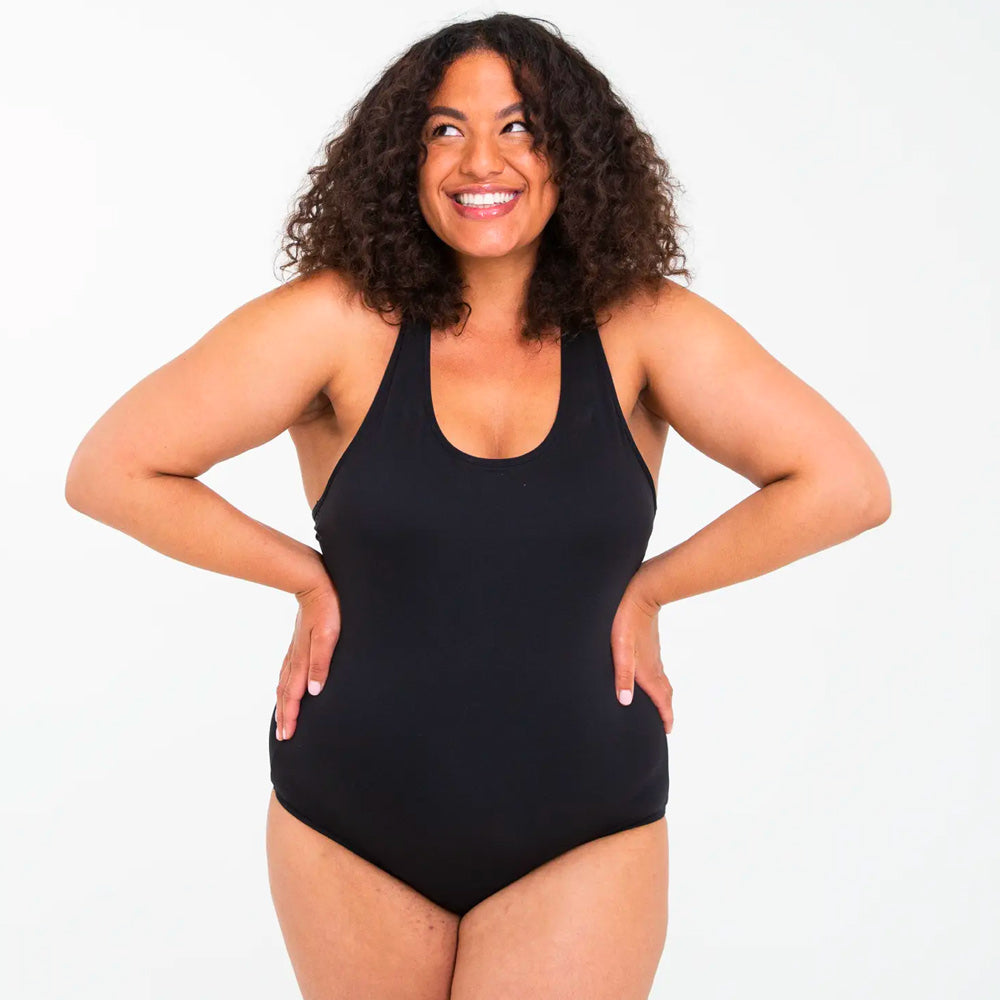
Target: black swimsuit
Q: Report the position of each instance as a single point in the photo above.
(469, 730)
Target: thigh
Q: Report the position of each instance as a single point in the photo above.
(351, 929)
(588, 925)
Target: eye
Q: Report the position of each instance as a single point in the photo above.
(437, 129)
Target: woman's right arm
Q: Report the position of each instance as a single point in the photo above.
(242, 384)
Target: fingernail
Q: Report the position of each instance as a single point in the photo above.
(625, 696)
(314, 687)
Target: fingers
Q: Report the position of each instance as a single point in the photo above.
(662, 695)
(307, 662)
(322, 639)
(279, 708)
(635, 647)
(624, 653)
(292, 683)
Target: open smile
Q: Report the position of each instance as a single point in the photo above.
(486, 211)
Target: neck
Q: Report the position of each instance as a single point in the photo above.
(497, 288)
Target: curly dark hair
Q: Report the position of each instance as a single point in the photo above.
(614, 230)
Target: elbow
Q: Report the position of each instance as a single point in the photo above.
(70, 494)
(77, 496)
(78, 489)
(90, 482)
(100, 484)
(856, 497)
(871, 498)
(876, 492)
(879, 503)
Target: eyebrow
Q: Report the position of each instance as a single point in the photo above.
(443, 109)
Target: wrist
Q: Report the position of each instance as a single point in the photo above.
(643, 592)
(315, 578)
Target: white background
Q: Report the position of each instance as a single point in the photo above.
(833, 801)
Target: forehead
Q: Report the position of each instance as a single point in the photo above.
(477, 81)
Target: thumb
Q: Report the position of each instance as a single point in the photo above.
(624, 654)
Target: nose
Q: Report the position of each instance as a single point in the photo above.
(482, 157)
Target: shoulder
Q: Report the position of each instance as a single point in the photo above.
(681, 340)
(665, 312)
(324, 303)
(319, 323)
(352, 342)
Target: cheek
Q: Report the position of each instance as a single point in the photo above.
(538, 174)
(431, 181)
(549, 197)
(425, 193)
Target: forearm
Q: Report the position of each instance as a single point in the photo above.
(781, 522)
(186, 520)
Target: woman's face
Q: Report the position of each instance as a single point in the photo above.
(477, 142)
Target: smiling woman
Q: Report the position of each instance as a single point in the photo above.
(479, 168)
(483, 744)
(503, 104)
(482, 523)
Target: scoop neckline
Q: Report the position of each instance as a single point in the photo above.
(482, 460)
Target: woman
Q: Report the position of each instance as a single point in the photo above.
(478, 361)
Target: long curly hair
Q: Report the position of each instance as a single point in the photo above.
(614, 230)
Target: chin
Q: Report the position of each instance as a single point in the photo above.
(483, 253)
(485, 247)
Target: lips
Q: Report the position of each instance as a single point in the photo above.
(485, 211)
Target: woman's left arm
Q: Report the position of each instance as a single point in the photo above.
(819, 482)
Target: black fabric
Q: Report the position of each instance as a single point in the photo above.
(469, 729)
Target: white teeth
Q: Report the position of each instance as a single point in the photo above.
(485, 199)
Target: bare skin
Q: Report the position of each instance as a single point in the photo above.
(591, 923)
(307, 358)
